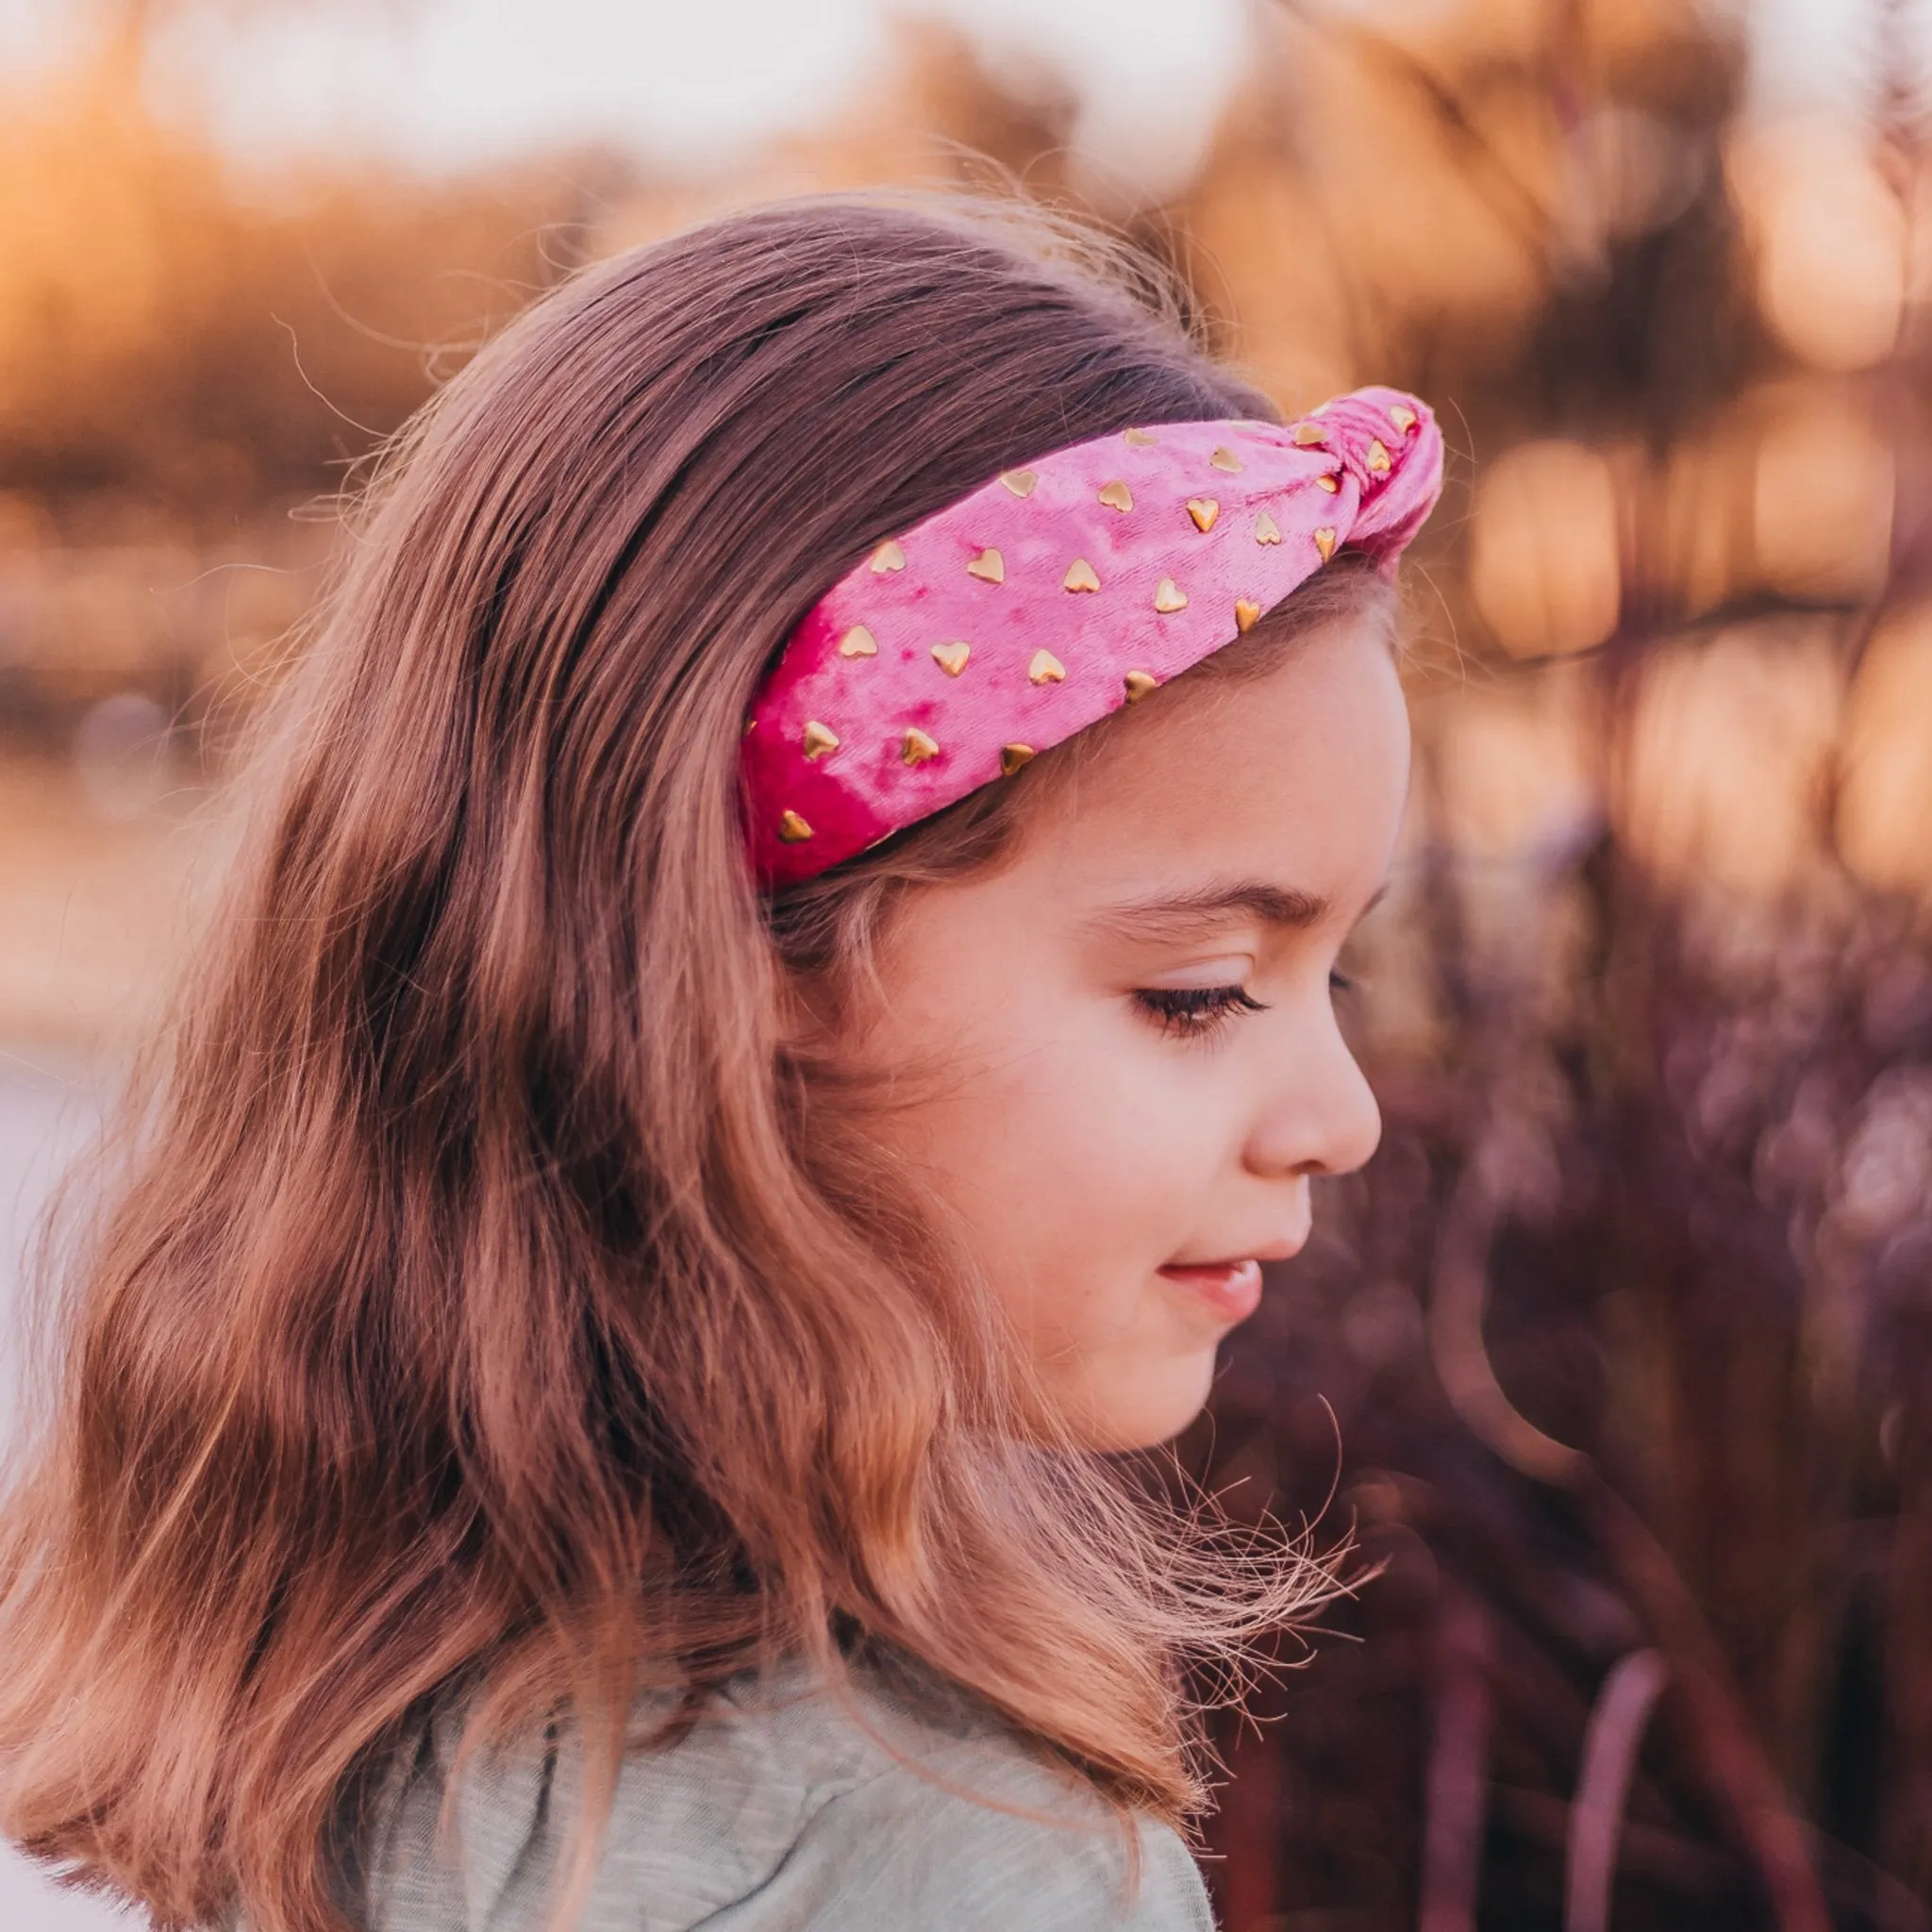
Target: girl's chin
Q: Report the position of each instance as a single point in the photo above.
(1152, 1409)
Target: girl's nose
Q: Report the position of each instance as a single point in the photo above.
(1318, 1116)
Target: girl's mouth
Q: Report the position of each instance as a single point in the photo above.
(1231, 1289)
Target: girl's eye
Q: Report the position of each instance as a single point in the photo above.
(1196, 1009)
(1342, 982)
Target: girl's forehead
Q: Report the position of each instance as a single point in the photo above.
(1303, 767)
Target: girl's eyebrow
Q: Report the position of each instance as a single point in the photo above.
(1284, 907)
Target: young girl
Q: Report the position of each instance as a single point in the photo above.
(779, 998)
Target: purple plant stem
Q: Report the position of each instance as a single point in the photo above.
(1456, 1799)
(1734, 1759)
(1610, 1743)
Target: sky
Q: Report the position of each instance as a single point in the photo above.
(696, 83)
(692, 82)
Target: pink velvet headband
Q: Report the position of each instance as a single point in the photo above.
(1050, 596)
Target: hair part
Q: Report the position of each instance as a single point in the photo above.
(481, 1290)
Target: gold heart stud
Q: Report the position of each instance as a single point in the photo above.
(918, 747)
(792, 829)
(1139, 684)
(1246, 616)
(1169, 597)
(951, 659)
(859, 642)
(819, 740)
(990, 567)
(1081, 575)
(1012, 756)
(887, 557)
(1046, 669)
(1204, 509)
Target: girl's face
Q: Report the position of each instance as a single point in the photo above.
(1115, 1058)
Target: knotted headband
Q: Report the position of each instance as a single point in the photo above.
(1049, 597)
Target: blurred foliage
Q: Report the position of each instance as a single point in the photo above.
(1623, 1337)
(193, 364)
(1616, 1355)
(167, 338)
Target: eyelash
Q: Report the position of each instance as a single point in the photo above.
(1197, 1010)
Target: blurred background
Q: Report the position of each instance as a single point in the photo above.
(1614, 1363)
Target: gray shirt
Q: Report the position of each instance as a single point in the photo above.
(783, 1808)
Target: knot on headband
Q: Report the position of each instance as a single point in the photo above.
(1052, 595)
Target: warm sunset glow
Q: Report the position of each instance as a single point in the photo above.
(1823, 496)
(1515, 766)
(1884, 784)
(1830, 237)
(1544, 562)
(1728, 750)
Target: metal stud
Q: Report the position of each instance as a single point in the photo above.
(1224, 459)
(917, 748)
(951, 659)
(819, 740)
(1046, 669)
(1139, 684)
(792, 829)
(1404, 418)
(1137, 438)
(1081, 575)
(1324, 543)
(1246, 616)
(1328, 483)
(859, 642)
(887, 557)
(1266, 529)
(1116, 495)
(1169, 597)
(751, 725)
(990, 567)
(1020, 482)
(1012, 756)
(1204, 509)
(1307, 434)
(1377, 458)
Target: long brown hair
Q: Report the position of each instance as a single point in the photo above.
(487, 1288)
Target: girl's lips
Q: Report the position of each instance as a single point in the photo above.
(1231, 1289)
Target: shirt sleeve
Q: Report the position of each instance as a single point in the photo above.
(902, 1853)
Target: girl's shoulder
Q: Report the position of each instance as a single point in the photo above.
(782, 1806)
